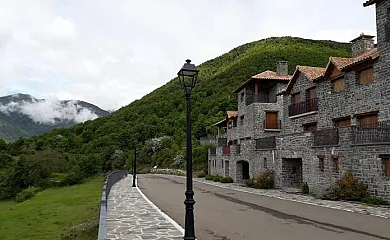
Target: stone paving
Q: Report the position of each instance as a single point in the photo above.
(131, 216)
(382, 212)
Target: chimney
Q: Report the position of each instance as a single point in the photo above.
(362, 44)
(282, 68)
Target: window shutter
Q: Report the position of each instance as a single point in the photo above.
(271, 120)
(387, 167)
(339, 85)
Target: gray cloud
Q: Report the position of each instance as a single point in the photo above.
(49, 111)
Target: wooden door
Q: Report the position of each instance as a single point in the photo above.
(311, 93)
(271, 120)
(295, 98)
(369, 121)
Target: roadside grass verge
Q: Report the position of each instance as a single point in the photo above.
(56, 213)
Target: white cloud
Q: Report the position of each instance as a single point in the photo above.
(50, 111)
(112, 52)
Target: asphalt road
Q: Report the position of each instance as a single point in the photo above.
(222, 214)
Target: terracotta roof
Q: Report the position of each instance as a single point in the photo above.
(369, 55)
(231, 114)
(266, 75)
(270, 75)
(369, 2)
(311, 73)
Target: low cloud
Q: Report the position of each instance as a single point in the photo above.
(50, 111)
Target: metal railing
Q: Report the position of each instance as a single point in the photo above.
(267, 124)
(266, 143)
(326, 137)
(373, 133)
(261, 98)
(303, 107)
(110, 181)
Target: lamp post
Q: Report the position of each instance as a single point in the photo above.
(188, 76)
(134, 165)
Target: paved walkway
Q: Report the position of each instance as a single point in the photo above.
(132, 216)
(345, 206)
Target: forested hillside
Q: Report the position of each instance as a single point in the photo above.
(157, 121)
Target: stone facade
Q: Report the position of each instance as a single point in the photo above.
(321, 156)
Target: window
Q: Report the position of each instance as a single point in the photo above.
(321, 165)
(386, 163)
(235, 122)
(366, 76)
(311, 93)
(242, 96)
(295, 98)
(336, 167)
(265, 163)
(242, 120)
(310, 127)
(271, 120)
(369, 120)
(222, 163)
(346, 122)
(338, 85)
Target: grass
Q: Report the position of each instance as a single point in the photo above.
(56, 213)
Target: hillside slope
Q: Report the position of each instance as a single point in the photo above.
(162, 112)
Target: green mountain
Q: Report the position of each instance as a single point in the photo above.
(107, 143)
(22, 115)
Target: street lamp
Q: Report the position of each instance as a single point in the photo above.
(134, 165)
(188, 76)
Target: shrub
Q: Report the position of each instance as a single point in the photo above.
(217, 178)
(375, 201)
(265, 180)
(209, 177)
(25, 194)
(305, 188)
(346, 188)
(201, 175)
(250, 182)
(74, 177)
(226, 180)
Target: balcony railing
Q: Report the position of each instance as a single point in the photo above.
(374, 133)
(226, 150)
(303, 107)
(261, 98)
(267, 124)
(325, 137)
(266, 143)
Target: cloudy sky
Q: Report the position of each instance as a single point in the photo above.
(112, 52)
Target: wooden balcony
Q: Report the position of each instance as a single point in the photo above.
(309, 105)
(266, 143)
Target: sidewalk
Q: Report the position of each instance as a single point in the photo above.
(275, 193)
(130, 215)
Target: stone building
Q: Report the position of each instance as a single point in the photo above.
(318, 123)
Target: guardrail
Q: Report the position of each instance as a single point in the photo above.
(110, 181)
